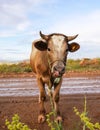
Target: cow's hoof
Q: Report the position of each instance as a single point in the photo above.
(59, 119)
(41, 118)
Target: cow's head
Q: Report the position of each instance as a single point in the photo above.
(57, 47)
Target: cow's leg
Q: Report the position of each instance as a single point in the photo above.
(56, 100)
(42, 98)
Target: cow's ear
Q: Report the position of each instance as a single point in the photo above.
(41, 45)
(73, 47)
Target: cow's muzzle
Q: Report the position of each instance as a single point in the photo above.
(58, 68)
(58, 71)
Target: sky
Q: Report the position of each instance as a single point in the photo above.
(21, 21)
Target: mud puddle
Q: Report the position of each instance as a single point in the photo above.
(28, 86)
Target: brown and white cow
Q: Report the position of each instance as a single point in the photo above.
(48, 62)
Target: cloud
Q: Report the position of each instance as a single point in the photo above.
(87, 26)
(23, 26)
(7, 33)
(14, 12)
(22, 16)
(11, 13)
(11, 16)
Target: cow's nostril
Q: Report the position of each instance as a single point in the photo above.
(63, 69)
(59, 69)
(55, 68)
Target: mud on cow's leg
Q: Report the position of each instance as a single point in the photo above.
(42, 98)
(56, 98)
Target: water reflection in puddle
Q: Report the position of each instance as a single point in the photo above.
(28, 86)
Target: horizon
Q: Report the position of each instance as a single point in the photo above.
(28, 60)
(21, 21)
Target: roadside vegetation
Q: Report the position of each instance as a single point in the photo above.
(15, 68)
(15, 124)
(83, 65)
(72, 65)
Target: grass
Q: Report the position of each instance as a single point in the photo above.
(15, 68)
(72, 65)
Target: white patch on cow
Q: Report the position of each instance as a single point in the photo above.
(58, 41)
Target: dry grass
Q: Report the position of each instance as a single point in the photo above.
(72, 65)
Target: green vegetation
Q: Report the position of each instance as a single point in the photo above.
(51, 117)
(72, 65)
(15, 124)
(52, 123)
(86, 121)
(83, 65)
(15, 68)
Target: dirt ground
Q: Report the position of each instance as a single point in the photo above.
(67, 74)
(27, 108)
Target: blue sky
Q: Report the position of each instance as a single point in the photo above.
(21, 21)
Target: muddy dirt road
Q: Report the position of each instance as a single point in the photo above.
(28, 86)
(20, 95)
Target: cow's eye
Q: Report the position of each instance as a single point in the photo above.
(48, 49)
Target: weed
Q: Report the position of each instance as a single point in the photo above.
(15, 124)
(86, 120)
(51, 117)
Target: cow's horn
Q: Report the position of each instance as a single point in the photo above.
(45, 37)
(70, 38)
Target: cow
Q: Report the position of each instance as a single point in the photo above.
(48, 61)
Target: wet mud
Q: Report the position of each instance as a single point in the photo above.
(28, 86)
